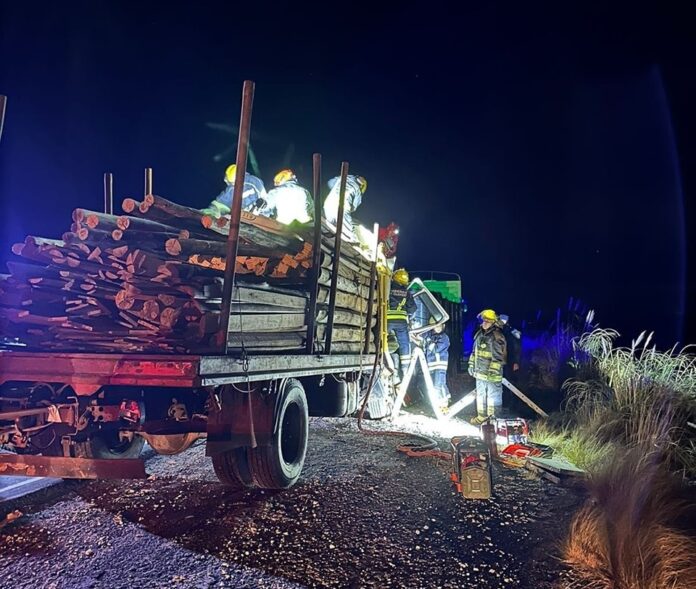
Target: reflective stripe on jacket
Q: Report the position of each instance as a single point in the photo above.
(489, 355)
(401, 303)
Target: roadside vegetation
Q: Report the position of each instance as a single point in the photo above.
(629, 419)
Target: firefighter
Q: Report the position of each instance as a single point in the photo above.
(488, 357)
(253, 196)
(513, 338)
(288, 201)
(355, 188)
(437, 345)
(401, 307)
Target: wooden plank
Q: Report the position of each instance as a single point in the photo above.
(557, 466)
(524, 398)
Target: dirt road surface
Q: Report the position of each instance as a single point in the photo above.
(363, 515)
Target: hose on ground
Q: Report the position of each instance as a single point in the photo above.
(426, 447)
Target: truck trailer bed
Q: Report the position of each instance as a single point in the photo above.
(85, 372)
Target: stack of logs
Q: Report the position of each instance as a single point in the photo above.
(151, 281)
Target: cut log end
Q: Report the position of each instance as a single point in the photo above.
(173, 246)
(129, 205)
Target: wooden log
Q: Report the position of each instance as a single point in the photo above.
(342, 334)
(345, 317)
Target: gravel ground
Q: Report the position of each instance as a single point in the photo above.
(363, 515)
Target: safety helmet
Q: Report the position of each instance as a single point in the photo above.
(503, 318)
(284, 176)
(362, 183)
(230, 173)
(488, 315)
(400, 276)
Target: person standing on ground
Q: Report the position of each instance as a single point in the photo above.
(486, 363)
(513, 338)
(437, 345)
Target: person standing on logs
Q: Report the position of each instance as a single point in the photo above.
(355, 188)
(402, 306)
(288, 201)
(253, 196)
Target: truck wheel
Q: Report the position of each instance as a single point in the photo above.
(279, 465)
(107, 445)
(232, 468)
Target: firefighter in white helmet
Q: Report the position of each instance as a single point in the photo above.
(288, 201)
(486, 363)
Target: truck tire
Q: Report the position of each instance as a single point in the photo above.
(106, 445)
(279, 465)
(232, 469)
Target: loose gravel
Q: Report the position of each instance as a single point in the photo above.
(363, 515)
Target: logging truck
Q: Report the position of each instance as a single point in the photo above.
(134, 329)
(76, 414)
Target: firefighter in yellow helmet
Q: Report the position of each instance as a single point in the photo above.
(288, 201)
(488, 357)
(253, 195)
(402, 306)
(355, 188)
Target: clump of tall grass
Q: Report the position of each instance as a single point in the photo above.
(635, 396)
(630, 534)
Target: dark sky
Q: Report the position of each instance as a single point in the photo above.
(539, 154)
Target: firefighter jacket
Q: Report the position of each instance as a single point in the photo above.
(289, 202)
(252, 192)
(353, 199)
(401, 303)
(437, 350)
(489, 355)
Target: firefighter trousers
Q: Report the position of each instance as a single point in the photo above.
(489, 397)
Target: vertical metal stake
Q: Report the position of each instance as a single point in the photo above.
(148, 181)
(109, 193)
(373, 279)
(316, 254)
(235, 213)
(337, 256)
(3, 107)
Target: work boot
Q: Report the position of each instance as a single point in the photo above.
(478, 420)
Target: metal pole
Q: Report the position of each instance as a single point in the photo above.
(109, 193)
(3, 106)
(337, 256)
(148, 181)
(235, 213)
(316, 253)
(373, 279)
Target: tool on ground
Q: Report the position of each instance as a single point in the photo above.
(512, 430)
(472, 472)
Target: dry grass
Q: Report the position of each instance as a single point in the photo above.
(625, 536)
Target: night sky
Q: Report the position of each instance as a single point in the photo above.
(539, 154)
